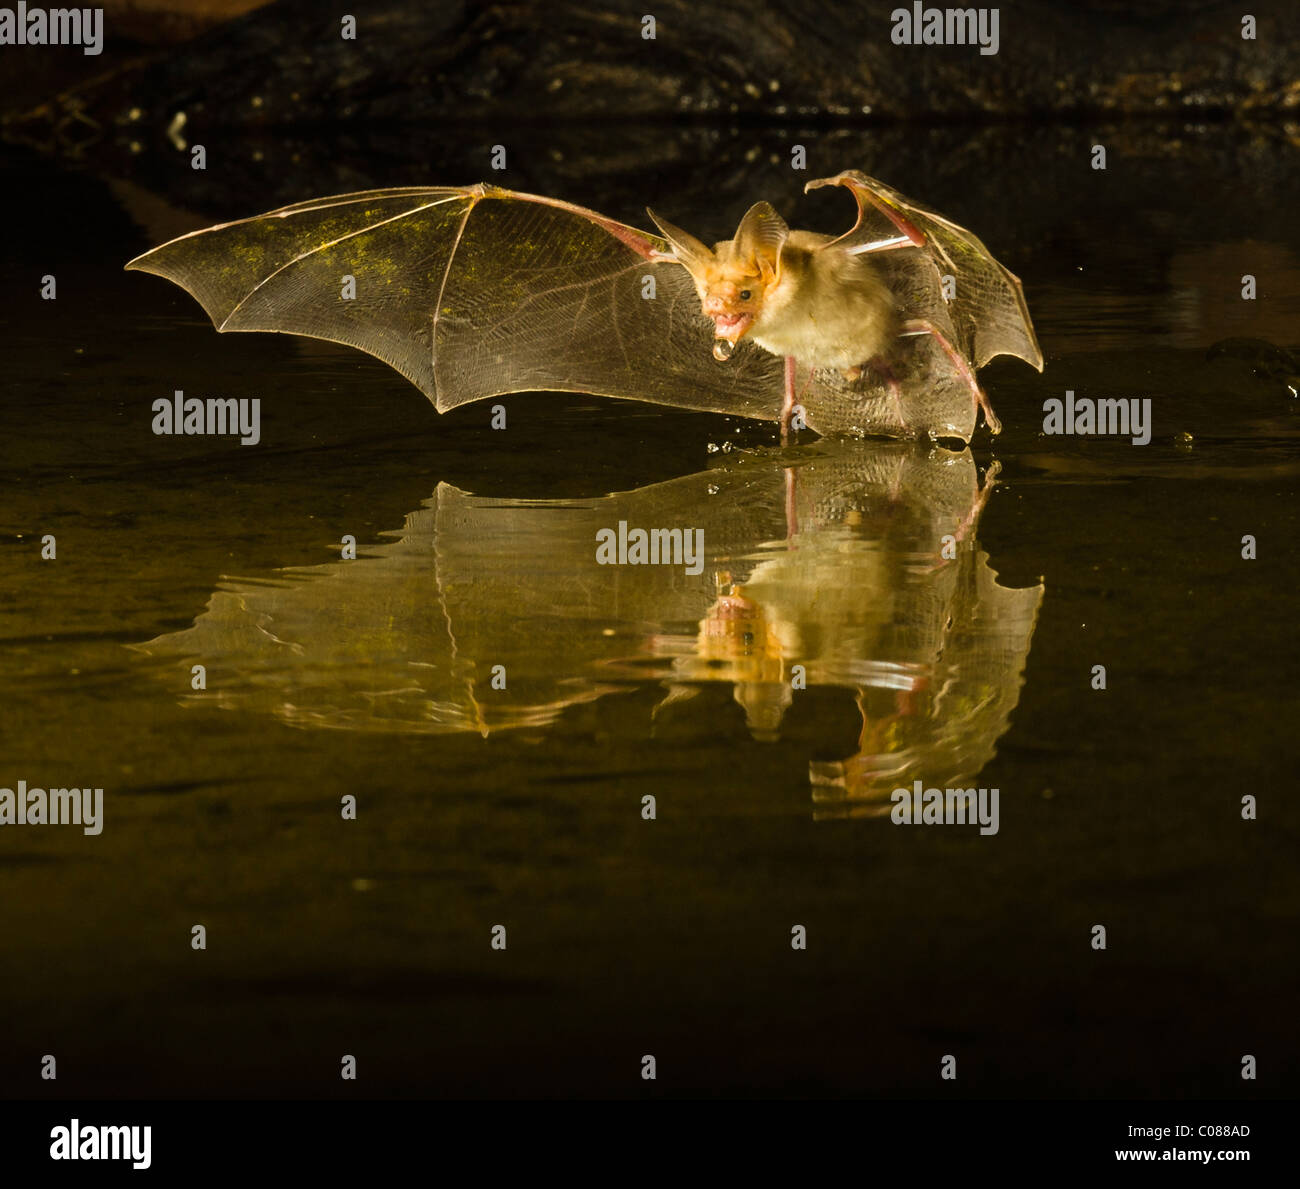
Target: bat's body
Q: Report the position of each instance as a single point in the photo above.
(828, 310)
(473, 292)
(811, 298)
(792, 292)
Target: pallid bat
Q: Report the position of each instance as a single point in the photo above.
(473, 292)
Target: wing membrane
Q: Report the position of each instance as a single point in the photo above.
(472, 292)
(988, 315)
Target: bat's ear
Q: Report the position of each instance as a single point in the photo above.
(689, 250)
(761, 235)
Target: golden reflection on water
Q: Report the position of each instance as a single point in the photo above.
(848, 564)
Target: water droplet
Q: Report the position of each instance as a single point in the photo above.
(722, 349)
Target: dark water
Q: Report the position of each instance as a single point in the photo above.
(524, 806)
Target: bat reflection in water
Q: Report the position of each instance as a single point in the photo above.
(928, 641)
(472, 292)
(862, 594)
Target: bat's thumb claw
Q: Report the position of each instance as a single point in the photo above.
(818, 183)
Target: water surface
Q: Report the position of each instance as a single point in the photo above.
(524, 806)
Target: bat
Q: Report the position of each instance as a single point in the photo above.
(823, 302)
(474, 292)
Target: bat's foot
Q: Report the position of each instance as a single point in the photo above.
(990, 417)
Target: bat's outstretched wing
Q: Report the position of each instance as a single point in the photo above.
(473, 292)
(987, 316)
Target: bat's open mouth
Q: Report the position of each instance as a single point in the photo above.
(731, 607)
(732, 326)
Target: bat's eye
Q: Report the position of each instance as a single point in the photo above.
(745, 295)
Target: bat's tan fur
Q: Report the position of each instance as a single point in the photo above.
(791, 294)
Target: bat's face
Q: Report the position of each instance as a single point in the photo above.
(731, 292)
(735, 277)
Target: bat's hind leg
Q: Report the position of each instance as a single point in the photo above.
(921, 326)
(788, 405)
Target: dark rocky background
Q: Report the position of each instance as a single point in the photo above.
(419, 69)
(591, 111)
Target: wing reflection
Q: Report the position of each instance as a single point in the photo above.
(849, 564)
